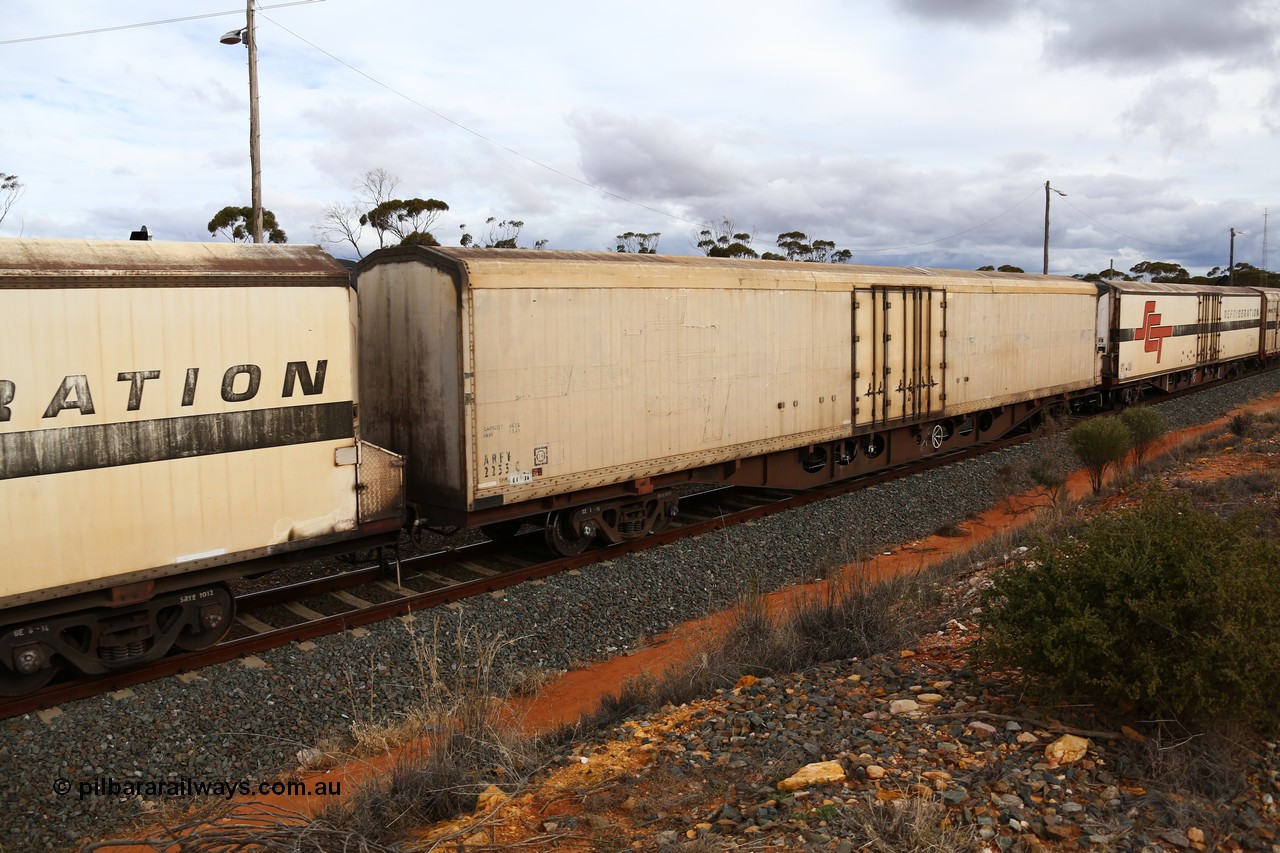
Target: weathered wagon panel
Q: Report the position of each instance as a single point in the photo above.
(168, 407)
(506, 376)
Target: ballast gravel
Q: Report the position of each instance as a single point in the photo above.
(237, 723)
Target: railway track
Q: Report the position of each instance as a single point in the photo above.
(272, 618)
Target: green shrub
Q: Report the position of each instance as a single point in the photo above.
(1099, 443)
(1145, 426)
(1049, 475)
(1165, 606)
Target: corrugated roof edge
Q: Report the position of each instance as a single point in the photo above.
(41, 259)
(456, 259)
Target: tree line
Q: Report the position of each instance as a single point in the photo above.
(1166, 272)
(393, 220)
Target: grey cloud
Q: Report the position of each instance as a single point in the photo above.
(1141, 33)
(1176, 110)
(974, 12)
(648, 158)
(1133, 35)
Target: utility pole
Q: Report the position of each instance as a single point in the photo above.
(255, 156)
(1266, 276)
(249, 38)
(1231, 261)
(1048, 189)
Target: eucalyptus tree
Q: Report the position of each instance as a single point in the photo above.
(11, 189)
(723, 240)
(636, 243)
(798, 246)
(233, 223)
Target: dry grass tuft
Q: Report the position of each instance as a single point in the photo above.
(855, 616)
(907, 825)
(1187, 776)
(458, 739)
(262, 829)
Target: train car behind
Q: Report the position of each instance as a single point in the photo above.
(172, 416)
(1171, 336)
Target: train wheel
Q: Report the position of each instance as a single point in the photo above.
(663, 519)
(14, 683)
(938, 434)
(215, 617)
(561, 536)
(502, 531)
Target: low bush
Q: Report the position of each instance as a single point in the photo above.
(1145, 425)
(1242, 423)
(1167, 607)
(1099, 443)
(1049, 475)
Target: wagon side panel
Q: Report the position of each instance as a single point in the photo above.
(1008, 345)
(150, 430)
(577, 387)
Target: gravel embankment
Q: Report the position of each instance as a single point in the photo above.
(239, 723)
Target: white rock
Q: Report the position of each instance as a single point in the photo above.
(1066, 750)
(821, 773)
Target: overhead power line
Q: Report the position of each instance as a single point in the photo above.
(480, 135)
(151, 23)
(1217, 236)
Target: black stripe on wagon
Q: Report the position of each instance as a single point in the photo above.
(83, 448)
(1184, 330)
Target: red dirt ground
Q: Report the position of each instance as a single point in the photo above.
(579, 692)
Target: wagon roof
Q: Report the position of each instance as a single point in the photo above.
(1185, 289)
(102, 263)
(528, 267)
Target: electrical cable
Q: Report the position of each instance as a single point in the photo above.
(151, 23)
(1139, 239)
(480, 135)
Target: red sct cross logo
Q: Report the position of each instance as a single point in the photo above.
(1153, 333)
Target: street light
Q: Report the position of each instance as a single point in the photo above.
(1048, 189)
(248, 38)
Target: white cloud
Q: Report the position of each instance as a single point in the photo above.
(922, 124)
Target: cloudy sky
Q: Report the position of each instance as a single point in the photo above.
(916, 132)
